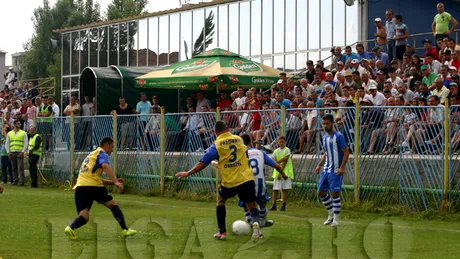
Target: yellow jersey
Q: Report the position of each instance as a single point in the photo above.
(232, 155)
(91, 169)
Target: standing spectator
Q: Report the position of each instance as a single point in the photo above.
(310, 71)
(441, 22)
(54, 107)
(189, 102)
(155, 103)
(87, 111)
(380, 55)
(16, 145)
(429, 49)
(143, 108)
(128, 126)
(401, 35)
(380, 35)
(34, 153)
(31, 110)
(10, 78)
(390, 29)
(7, 169)
(23, 108)
(338, 56)
(201, 101)
(73, 107)
(45, 122)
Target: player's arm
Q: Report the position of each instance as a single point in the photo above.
(108, 171)
(454, 24)
(270, 162)
(343, 145)
(321, 163)
(211, 154)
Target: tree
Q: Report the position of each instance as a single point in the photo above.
(208, 29)
(125, 8)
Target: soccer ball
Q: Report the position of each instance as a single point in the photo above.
(240, 228)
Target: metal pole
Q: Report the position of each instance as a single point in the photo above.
(162, 151)
(445, 201)
(283, 120)
(357, 151)
(72, 147)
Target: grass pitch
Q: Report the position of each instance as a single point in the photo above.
(32, 223)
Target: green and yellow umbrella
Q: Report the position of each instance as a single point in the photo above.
(211, 69)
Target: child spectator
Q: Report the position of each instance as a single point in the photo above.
(282, 157)
(7, 168)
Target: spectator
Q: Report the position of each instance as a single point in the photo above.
(440, 90)
(432, 63)
(424, 91)
(34, 152)
(152, 129)
(201, 101)
(31, 109)
(377, 98)
(23, 108)
(320, 63)
(73, 107)
(155, 103)
(11, 77)
(355, 66)
(319, 70)
(430, 50)
(380, 35)
(395, 80)
(456, 79)
(309, 130)
(356, 78)
(20, 92)
(338, 57)
(16, 145)
(54, 107)
(407, 64)
(410, 49)
(428, 77)
(444, 74)
(143, 108)
(408, 95)
(441, 22)
(7, 169)
(361, 53)
(309, 74)
(87, 112)
(367, 82)
(429, 132)
(281, 101)
(401, 35)
(189, 102)
(456, 58)
(316, 99)
(390, 30)
(194, 123)
(32, 91)
(224, 101)
(379, 55)
(453, 91)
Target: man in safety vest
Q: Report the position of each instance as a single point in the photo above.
(16, 145)
(45, 122)
(34, 153)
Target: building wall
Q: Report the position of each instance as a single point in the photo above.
(280, 33)
(418, 15)
(3, 69)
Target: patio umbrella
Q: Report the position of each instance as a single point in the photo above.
(216, 68)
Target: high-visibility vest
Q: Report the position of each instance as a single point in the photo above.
(288, 169)
(32, 140)
(16, 140)
(49, 118)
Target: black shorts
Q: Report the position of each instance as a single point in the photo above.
(246, 192)
(85, 195)
(400, 50)
(45, 128)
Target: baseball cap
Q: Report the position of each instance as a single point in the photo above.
(340, 63)
(452, 68)
(348, 73)
(373, 87)
(280, 81)
(426, 40)
(455, 76)
(423, 67)
(376, 48)
(378, 19)
(452, 84)
(417, 83)
(380, 72)
(447, 52)
(354, 61)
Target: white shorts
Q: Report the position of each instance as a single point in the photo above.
(282, 184)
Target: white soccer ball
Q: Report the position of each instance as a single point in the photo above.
(240, 228)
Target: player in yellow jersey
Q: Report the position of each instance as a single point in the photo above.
(237, 177)
(90, 187)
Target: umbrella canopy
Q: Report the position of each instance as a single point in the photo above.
(211, 69)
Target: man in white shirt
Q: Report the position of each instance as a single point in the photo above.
(201, 101)
(366, 81)
(407, 94)
(355, 66)
(433, 64)
(10, 78)
(395, 80)
(340, 69)
(241, 100)
(378, 99)
(54, 106)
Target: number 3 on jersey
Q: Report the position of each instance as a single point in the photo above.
(255, 166)
(233, 154)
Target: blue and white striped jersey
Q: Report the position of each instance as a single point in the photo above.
(333, 146)
(257, 160)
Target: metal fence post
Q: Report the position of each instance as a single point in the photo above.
(283, 120)
(162, 150)
(217, 170)
(72, 147)
(357, 150)
(445, 201)
(115, 143)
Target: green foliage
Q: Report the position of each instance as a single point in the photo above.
(125, 8)
(208, 29)
(41, 58)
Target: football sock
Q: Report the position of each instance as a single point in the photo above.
(336, 205)
(119, 216)
(255, 215)
(247, 214)
(78, 222)
(221, 213)
(263, 213)
(327, 201)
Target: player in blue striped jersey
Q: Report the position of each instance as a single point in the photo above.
(257, 160)
(333, 162)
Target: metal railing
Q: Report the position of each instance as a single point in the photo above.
(399, 155)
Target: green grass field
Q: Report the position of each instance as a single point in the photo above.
(32, 223)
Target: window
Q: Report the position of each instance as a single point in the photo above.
(245, 37)
(123, 48)
(133, 43)
(256, 27)
(352, 24)
(75, 83)
(290, 25)
(280, 29)
(66, 53)
(84, 41)
(164, 40)
(339, 23)
(267, 26)
(65, 83)
(93, 46)
(302, 23)
(143, 42)
(103, 46)
(75, 58)
(223, 27)
(278, 62)
(326, 24)
(198, 32)
(290, 63)
(153, 42)
(301, 61)
(211, 35)
(186, 36)
(174, 38)
(113, 44)
(313, 24)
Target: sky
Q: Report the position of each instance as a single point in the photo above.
(17, 27)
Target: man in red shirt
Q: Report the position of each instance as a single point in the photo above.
(456, 58)
(430, 49)
(224, 101)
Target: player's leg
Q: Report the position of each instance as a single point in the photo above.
(335, 185)
(276, 193)
(326, 199)
(221, 213)
(247, 213)
(246, 193)
(83, 203)
(105, 198)
(284, 193)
